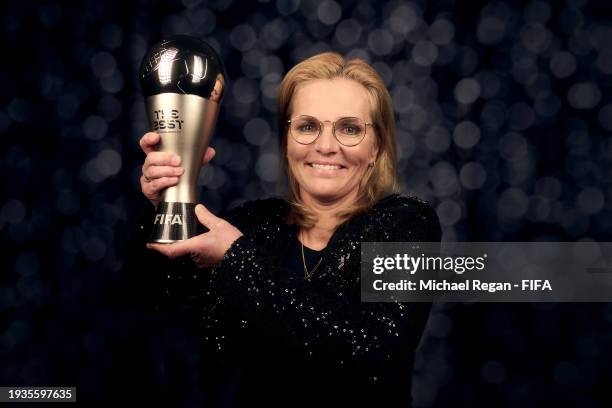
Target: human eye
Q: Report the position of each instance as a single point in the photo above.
(306, 126)
(350, 127)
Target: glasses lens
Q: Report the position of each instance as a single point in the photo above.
(350, 131)
(305, 129)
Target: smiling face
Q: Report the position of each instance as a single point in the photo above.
(327, 171)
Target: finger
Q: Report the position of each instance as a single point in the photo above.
(153, 187)
(148, 142)
(161, 159)
(170, 250)
(209, 154)
(208, 219)
(176, 249)
(155, 172)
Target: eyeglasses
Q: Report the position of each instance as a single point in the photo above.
(348, 131)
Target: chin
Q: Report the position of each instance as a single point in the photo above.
(327, 195)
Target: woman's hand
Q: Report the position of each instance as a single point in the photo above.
(208, 249)
(161, 169)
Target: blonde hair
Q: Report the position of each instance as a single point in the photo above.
(380, 179)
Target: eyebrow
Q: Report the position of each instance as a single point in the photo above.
(339, 117)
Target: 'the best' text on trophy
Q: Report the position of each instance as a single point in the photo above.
(183, 81)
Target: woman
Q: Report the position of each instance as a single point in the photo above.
(274, 286)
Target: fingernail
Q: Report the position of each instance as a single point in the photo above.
(176, 160)
(178, 170)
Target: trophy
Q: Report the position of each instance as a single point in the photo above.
(183, 81)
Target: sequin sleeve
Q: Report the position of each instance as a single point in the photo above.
(331, 326)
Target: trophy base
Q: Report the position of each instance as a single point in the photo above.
(175, 222)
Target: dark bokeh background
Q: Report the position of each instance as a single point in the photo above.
(504, 120)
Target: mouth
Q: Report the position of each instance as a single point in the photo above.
(326, 166)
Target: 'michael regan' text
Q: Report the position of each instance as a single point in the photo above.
(469, 284)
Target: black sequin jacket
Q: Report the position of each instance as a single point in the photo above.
(293, 341)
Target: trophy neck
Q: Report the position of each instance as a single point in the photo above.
(185, 124)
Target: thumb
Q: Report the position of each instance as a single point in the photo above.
(205, 217)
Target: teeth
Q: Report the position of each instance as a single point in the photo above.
(325, 166)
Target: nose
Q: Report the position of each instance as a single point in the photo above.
(326, 143)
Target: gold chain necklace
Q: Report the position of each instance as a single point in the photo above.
(308, 274)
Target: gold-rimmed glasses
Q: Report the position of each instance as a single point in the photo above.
(348, 131)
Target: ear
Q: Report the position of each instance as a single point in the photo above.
(374, 151)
